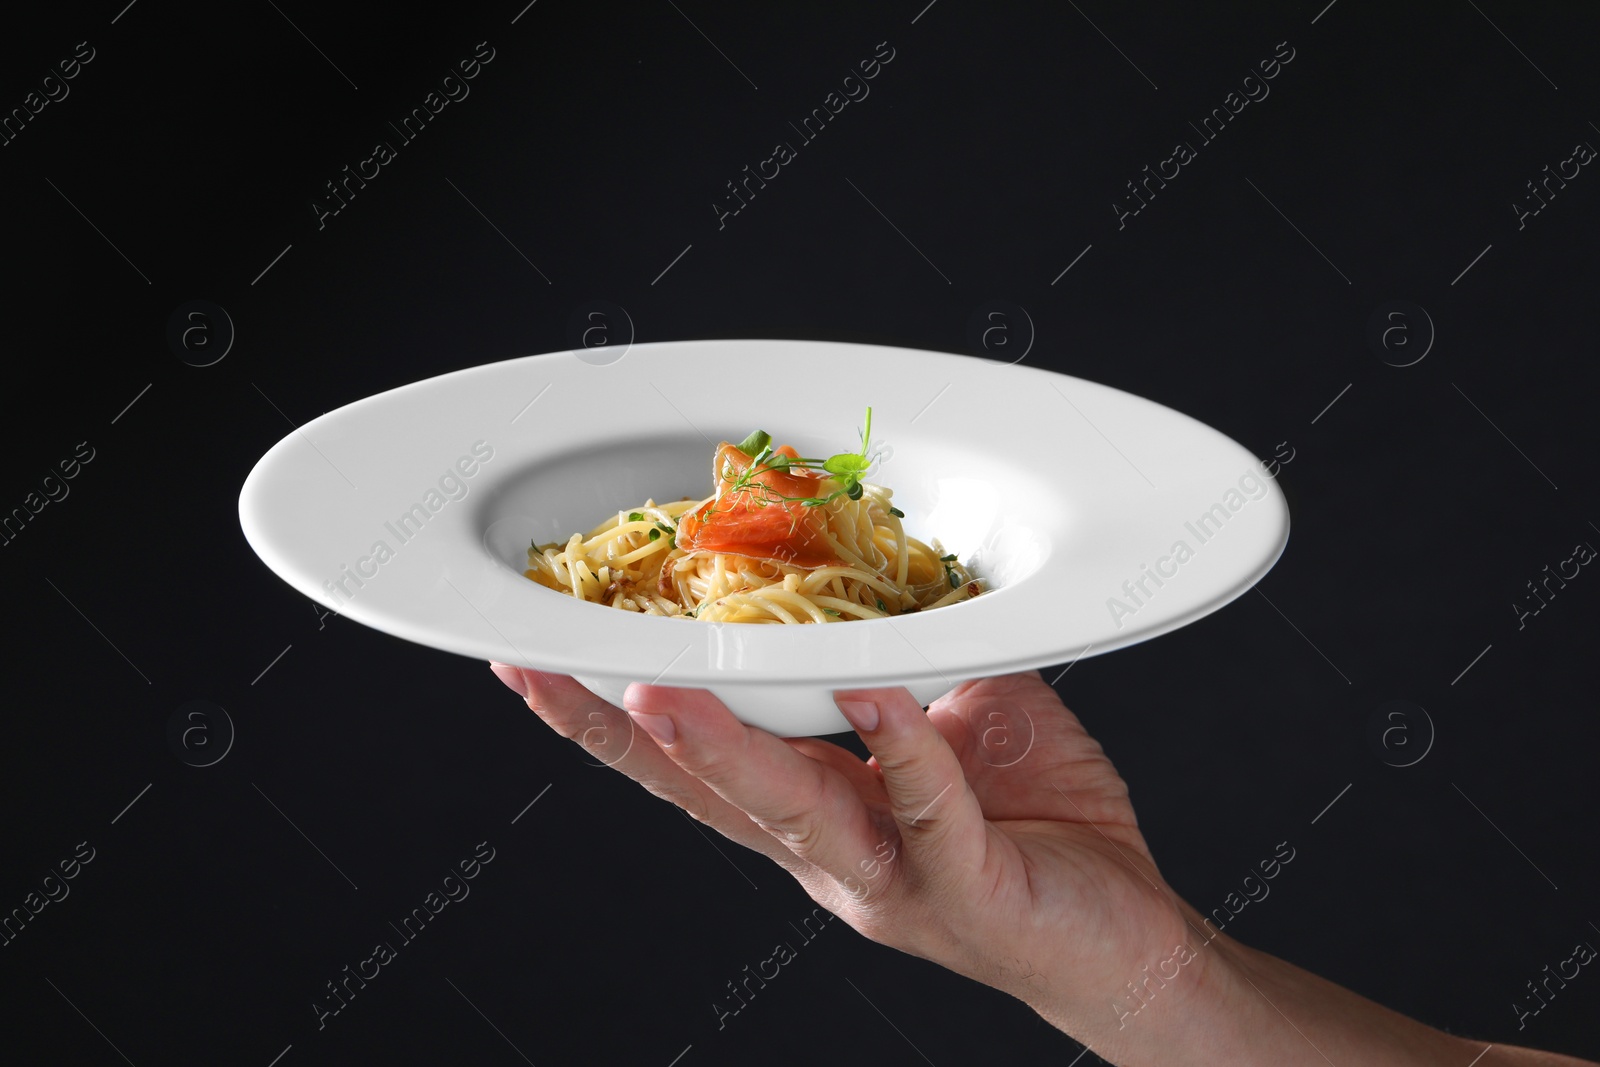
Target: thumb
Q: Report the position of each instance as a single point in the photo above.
(939, 818)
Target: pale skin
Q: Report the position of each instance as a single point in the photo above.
(1031, 876)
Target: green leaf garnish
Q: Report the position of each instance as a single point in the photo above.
(881, 607)
(758, 440)
(845, 463)
(655, 535)
(847, 467)
(829, 611)
(635, 516)
(949, 571)
(897, 513)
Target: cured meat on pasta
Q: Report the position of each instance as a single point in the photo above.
(781, 539)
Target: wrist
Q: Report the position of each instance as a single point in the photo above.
(1184, 1006)
(1209, 1000)
(1175, 1002)
(1245, 1008)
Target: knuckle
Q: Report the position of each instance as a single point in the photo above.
(578, 723)
(801, 825)
(709, 765)
(897, 758)
(914, 775)
(714, 761)
(801, 833)
(926, 809)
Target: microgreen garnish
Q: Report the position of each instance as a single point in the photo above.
(655, 535)
(897, 513)
(881, 607)
(846, 468)
(635, 516)
(830, 611)
(949, 571)
(845, 464)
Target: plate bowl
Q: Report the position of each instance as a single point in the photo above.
(951, 496)
(1096, 518)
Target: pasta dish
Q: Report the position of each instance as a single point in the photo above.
(781, 539)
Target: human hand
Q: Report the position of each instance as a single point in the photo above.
(1027, 874)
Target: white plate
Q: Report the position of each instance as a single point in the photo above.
(1067, 496)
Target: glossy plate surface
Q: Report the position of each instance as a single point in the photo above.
(1099, 518)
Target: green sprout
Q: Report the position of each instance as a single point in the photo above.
(846, 468)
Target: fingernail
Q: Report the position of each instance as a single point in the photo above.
(660, 727)
(863, 714)
(513, 678)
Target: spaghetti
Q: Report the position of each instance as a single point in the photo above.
(782, 539)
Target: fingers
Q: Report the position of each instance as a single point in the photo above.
(609, 736)
(810, 808)
(861, 775)
(938, 816)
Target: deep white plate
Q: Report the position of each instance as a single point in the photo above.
(1070, 498)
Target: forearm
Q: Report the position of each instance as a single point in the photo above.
(1239, 1007)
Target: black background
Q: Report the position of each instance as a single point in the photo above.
(186, 158)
